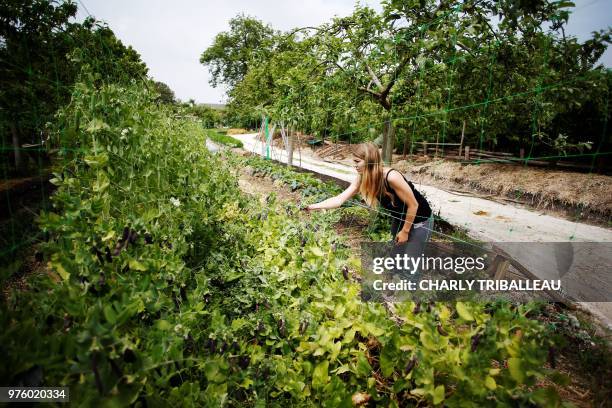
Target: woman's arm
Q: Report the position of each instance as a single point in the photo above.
(337, 201)
(405, 193)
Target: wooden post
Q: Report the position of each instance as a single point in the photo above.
(501, 268)
(424, 148)
(405, 148)
(437, 143)
(498, 267)
(290, 148)
(388, 141)
(467, 153)
(522, 153)
(19, 163)
(300, 148)
(462, 136)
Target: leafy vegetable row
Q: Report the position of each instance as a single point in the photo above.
(166, 286)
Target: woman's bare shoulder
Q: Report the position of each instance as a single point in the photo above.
(395, 177)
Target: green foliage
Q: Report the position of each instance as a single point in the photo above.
(421, 70)
(167, 286)
(231, 53)
(210, 117)
(223, 139)
(166, 95)
(41, 55)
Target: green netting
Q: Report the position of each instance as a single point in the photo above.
(441, 115)
(48, 86)
(436, 129)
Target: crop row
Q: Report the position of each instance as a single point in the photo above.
(164, 285)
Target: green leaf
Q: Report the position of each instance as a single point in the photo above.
(438, 394)
(237, 324)
(109, 236)
(150, 215)
(364, 369)
(246, 383)
(306, 367)
(95, 125)
(61, 270)
(428, 341)
(317, 251)
(96, 161)
(371, 328)
(319, 375)
(136, 266)
(231, 277)
(387, 362)
(102, 182)
(565, 4)
(490, 383)
(109, 314)
(215, 395)
(516, 370)
(163, 325)
(342, 369)
(213, 372)
(463, 312)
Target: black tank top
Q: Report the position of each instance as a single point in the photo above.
(399, 209)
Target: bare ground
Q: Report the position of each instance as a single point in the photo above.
(574, 196)
(577, 196)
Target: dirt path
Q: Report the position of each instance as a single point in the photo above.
(484, 220)
(487, 221)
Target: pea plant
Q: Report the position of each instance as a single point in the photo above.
(164, 285)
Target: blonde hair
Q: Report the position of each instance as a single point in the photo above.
(371, 185)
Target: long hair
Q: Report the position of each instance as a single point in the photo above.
(372, 185)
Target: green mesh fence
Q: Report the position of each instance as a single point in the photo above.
(41, 68)
(440, 115)
(464, 107)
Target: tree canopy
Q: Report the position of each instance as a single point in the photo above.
(504, 72)
(166, 95)
(42, 54)
(231, 53)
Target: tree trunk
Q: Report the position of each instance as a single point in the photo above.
(290, 148)
(462, 136)
(405, 149)
(388, 141)
(17, 148)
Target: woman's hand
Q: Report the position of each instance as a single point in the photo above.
(402, 237)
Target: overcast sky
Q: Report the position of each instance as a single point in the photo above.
(171, 35)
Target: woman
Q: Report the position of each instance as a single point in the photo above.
(411, 215)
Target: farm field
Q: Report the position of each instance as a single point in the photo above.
(161, 251)
(225, 301)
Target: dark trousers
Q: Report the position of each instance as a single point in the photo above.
(417, 240)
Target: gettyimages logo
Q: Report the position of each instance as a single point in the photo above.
(412, 264)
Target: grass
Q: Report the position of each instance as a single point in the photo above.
(236, 131)
(219, 137)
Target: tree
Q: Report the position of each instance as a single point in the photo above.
(27, 29)
(41, 55)
(384, 56)
(427, 70)
(94, 44)
(210, 117)
(229, 57)
(166, 95)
